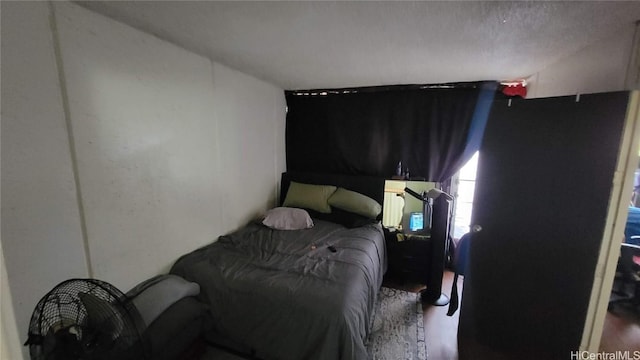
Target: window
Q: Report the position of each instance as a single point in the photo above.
(464, 196)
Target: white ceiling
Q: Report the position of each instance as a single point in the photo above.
(309, 44)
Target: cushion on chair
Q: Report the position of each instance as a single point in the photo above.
(155, 295)
(177, 329)
(175, 319)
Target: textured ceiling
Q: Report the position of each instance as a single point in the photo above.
(298, 45)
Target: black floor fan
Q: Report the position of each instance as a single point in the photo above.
(86, 319)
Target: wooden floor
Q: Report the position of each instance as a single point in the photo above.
(621, 330)
(441, 331)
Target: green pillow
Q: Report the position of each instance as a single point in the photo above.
(307, 196)
(355, 202)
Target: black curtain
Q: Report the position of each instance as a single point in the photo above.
(367, 131)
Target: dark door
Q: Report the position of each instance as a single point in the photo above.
(544, 179)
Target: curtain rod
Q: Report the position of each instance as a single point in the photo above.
(367, 89)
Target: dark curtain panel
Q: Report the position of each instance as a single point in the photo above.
(367, 131)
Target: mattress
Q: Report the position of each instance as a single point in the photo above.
(300, 294)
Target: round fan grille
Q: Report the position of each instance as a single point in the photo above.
(85, 319)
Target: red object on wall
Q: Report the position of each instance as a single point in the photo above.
(515, 90)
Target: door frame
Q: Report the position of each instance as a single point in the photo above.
(614, 227)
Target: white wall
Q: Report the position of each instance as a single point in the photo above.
(141, 112)
(600, 67)
(41, 232)
(10, 344)
(169, 151)
(252, 147)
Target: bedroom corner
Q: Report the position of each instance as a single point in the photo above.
(170, 150)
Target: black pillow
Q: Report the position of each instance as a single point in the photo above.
(349, 219)
(345, 218)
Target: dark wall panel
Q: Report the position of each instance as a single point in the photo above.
(545, 175)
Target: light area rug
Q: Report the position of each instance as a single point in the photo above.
(397, 332)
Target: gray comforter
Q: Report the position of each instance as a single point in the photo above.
(286, 295)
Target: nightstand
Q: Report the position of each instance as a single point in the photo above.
(409, 260)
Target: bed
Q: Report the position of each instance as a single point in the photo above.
(294, 294)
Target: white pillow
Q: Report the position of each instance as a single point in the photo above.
(286, 218)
